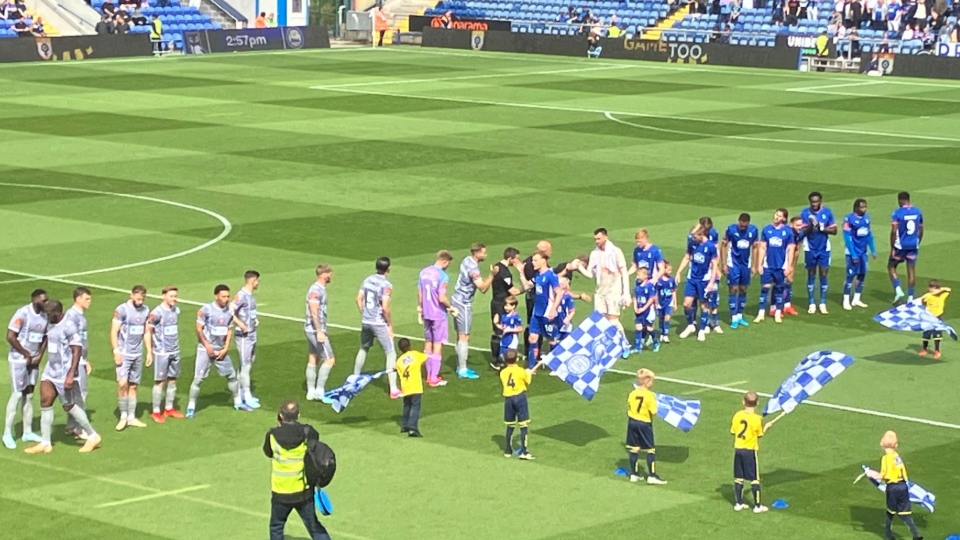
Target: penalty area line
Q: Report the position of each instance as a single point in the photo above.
(685, 382)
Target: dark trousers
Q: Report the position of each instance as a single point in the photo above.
(411, 412)
(280, 511)
(496, 308)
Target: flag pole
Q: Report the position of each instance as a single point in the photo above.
(774, 421)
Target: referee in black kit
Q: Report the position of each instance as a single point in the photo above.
(563, 270)
(502, 287)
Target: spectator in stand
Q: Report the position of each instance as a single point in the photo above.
(854, 43)
(108, 8)
(261, 20)
(791, 12)
(779, 11)
(21, 7)
(813, 10)
(725, 9)
(38, 29)
(446, 19)
(105, 26)
(908, 34)
(271, 21)
(137, 17)
(836, 21)
(725, 34)
(22, 28)
(11, 12)
(802, 14)
(120, 25)
(156, 34)
(852, 13)
(613, 18)
(735, 11)
(563, 17)
(920, 15)
(893, 15)
(927, 37)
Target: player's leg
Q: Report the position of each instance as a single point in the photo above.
(226, 369)
(911, 275)
(173, 373)
(462, 324)
(638, 330)
(123, 388)
(937, 338)
(647, 445)
(752, 474)
(927, 335)
(433, 348)
(766, 287)
(18, 372)
(778, 288)
(892, 265)
(523, 420)
(496, 308)
(405, 415)
(70, 399)
(811, 265)
(413, 419)
(861, 276)
(201, 370)
(535, 329)
(327, 360)
(247, 350)
(160, 364)
(850, 277)
(689, 309)
(651, 330)
(665, 315)
(742, 299)
(733, 298)
(134, 374)
(510, 420)
(713, 301)
(738, 474)
(366, 341)
(824, 269)
(48, 393)
(704, 317)
(383, 337)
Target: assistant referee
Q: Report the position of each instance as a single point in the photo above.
(286, 446)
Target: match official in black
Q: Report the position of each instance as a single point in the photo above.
(286, 446)
(502, 287)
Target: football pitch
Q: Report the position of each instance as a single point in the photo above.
(189, 171)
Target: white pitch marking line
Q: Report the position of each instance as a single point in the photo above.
(696, 384)
(765, 139)
(705, 390)
(227, 228)
(841, 85)
(649, 115)
(470, 77)
(152, 496)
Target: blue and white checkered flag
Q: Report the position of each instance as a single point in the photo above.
(918, 495)
(351, 387)
(810, 375)
(913, 317)
(679, 413)
(582, 357)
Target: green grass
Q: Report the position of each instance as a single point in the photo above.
(492, 148)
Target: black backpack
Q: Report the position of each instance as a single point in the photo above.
(319, 463)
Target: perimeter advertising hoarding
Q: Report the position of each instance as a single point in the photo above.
(74, 47)
(418, 22)
(256, 39)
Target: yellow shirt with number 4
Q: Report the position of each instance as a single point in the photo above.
(409, 368)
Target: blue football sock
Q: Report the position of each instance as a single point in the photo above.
(638, 339)
(715, 318)
(704, 319)
(742, 303)
(847, 285)
(665, 327)
(811, 284)
(732, 303)
(690, 313)
(655, 335)
(508, 447)
(910, 292)
(763, 298)
(860, 279)
(778, 298)
(788, 293)
(824, 286)
(896, 283)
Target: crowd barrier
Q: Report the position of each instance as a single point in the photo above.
(74, 47)
(256, 39)
(785, 55)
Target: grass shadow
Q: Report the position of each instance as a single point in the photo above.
(575, 432)
(784, 476)
(905, 357)
(868, 519)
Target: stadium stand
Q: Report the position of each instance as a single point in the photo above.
(882, 26)
(176, 20)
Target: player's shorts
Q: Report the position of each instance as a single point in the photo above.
(22, 376)
(509, 342)
(607, 304)
(814, 259)
(516, 410)
(640, 434)
(367, 334)
(166, 366)
(898, 499)
(645, 317)
(82, 378)
(246, 348)
(323, 351)
(665, 311)
(713, 299)
(900, 255)
(68, 396)
(202, 369)
(435, 331)
(695, 289)
(540, 325)
(464, 319)
(856, 269)
(745, 465)
(738, 276)
(773, 276)
(130, 370)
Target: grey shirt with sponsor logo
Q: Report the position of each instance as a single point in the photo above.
(216, 323)
(80, 322)
(166, 335)
(466, 288)
(133, 321)
(31, 328)
(60, 339)
(245, 308)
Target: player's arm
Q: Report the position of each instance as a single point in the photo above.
(673, 299)
(761, 256)
(714, 272)
(893, 235)
(755, 254)
(226, 344)
(360, 301)
(871, 244)
(920, 231)
(572, 311)
(314, 306)
(792, 254)
(848, 240)
(831, 228)
(496, 321)
(649, 304)
(592, 263)
(724, 247)
(267, 447)
(203, 338)
(482, 285)
(555, 303)
(115, 339)
(387, 315)
(148, 341)
(14, 342)
(442, 297)
(683, 265)
(624, 277)
(237, 306)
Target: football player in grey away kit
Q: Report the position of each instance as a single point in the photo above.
(126, 337)
(318, 343)
(162, 343)
(373, 301)
(245, 318)
(468, 283)
(64, 348)
(81, 303)
(27, 336)
(214, 333)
